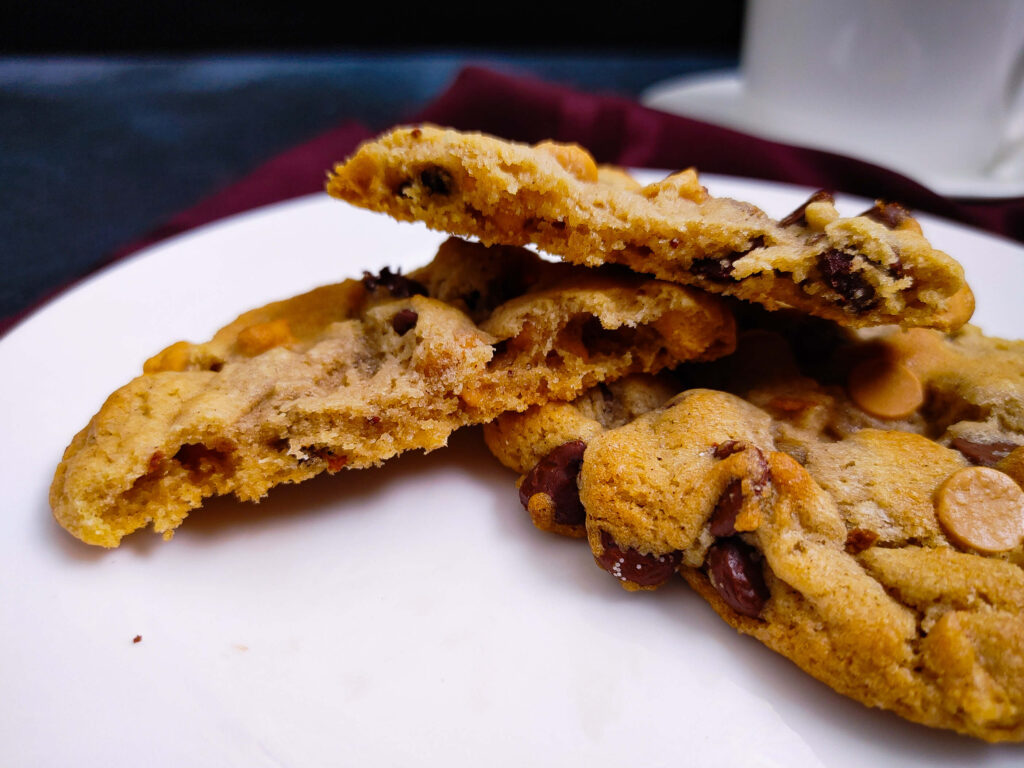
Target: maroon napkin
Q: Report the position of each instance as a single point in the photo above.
(616, 130)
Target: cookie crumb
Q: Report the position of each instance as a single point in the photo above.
(137, 639)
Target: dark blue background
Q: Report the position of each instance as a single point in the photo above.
(96, 151)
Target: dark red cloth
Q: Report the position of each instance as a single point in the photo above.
(620, 131)
(296, 172)
(616, 130)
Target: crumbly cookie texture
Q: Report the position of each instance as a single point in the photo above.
(882, 554)
(352, 374)
(872, 269)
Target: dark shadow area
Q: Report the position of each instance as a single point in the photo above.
(48, 26)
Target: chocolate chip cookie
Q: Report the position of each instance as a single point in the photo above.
(871, 269)
(878, 545)
(352, 374)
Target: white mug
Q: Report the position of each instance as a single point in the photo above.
(923, 86)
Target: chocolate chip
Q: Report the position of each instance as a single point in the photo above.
(859, 539)
(896, 269)
(630, 565)
(404, 321)
(723, 518)
(719, 269)
(437, 180)
(395, 283)
(799, 216)
(728, 448)
(837, 270)
(555, 476)
(889, 214)
(202, 460)
(736, 576)
(983, 454)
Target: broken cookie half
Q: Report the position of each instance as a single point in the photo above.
(351, 374)
(872, 269)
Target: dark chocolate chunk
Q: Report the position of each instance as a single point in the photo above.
(728, 448)
(555, 476)
(736, 575)
(719, 268)
(404, 321)
(395, 283)
(799, 216)
(202, 460)
(983, 454)
(630, 565)
(723, 518)
(837, 271)
(437, 180)
(889, 214)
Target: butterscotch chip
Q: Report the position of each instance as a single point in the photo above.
(573, 158)
(982, 509)
(174, 358)
(889, 390)
(258, 338)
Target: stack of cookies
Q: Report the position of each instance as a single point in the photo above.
(791, 414)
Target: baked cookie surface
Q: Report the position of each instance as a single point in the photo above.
(351, 374)
(882, 555)
(872, 269)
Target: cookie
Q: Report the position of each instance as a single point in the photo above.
(872, 269)
(352, 374)
(883, 555)
(885, 566)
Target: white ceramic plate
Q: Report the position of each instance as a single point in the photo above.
(409, 615)
(719, 98)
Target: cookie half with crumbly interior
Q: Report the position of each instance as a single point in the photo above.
(349, 375)
(873, 269)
